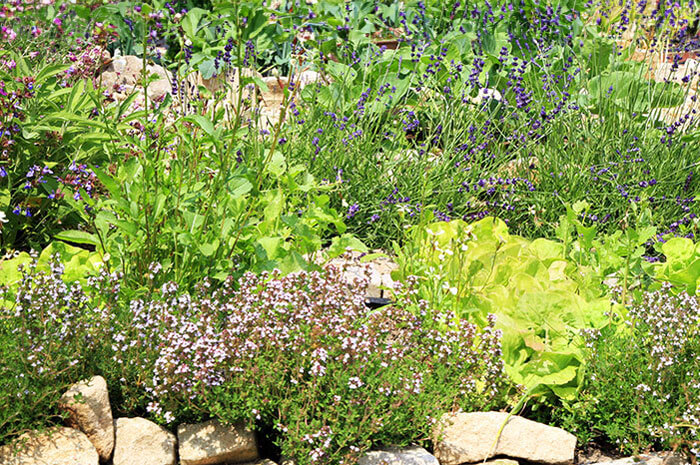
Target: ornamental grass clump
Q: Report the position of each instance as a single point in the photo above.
(643, 388)
(303, 356)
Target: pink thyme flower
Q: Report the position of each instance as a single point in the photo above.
(8, 33)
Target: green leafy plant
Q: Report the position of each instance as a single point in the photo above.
(47, 133)
(78, 264)
(641, 388)
(200, 200)
(51, 335)
(681, 266)
(540, 297)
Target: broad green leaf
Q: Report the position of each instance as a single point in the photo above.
(48, 72)
(277, 165)
(545, 249)
(108, 182)
(340, 244)
(275, 205)
(207, 69)
(271, 245)
(79, 237)
(678, 250)
(191, 21)
(208, 249)
(204, 123)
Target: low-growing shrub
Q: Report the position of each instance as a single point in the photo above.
(302, 354)
(643, 384)
(50, 336)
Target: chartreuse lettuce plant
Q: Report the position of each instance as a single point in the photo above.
(78, 263)
(682, 265)
(541, 298)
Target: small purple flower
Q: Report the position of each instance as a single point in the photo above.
(352, 211)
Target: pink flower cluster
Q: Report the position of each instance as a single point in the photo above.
(307, 339)
(8, 33)
(87, 62)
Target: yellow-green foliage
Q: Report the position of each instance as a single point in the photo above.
(541, 299)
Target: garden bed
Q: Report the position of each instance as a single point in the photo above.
(378, 213)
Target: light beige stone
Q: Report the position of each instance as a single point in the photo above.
(126, 64)
(123, 76)
(377, 271)
(395, 456)
(273, 97)
(213, 442)
(159, 89)
(89, 410)
(474, 437)
(656, 458)
(676, 458)
(142, 442)
(57, 446)
(129, 68)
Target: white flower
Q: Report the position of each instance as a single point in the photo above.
(3, 218)
(446, 286)
(355, 382)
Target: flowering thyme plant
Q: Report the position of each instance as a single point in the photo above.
(50, 336)
(643, 387)
(304, 355)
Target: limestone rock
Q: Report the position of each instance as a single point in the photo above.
(260, 462)
(656, 458)
(376, 271)
(213, 442)
(123, 75)
(142, 442)
(630, 461)
(500, 461)
(57, 446)
(651, 458)
(676, 458)
(595, 456)
(392, 456)
(272, 99)
(129, 68)
(157, 90)
(472, 437)
(87, 404)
